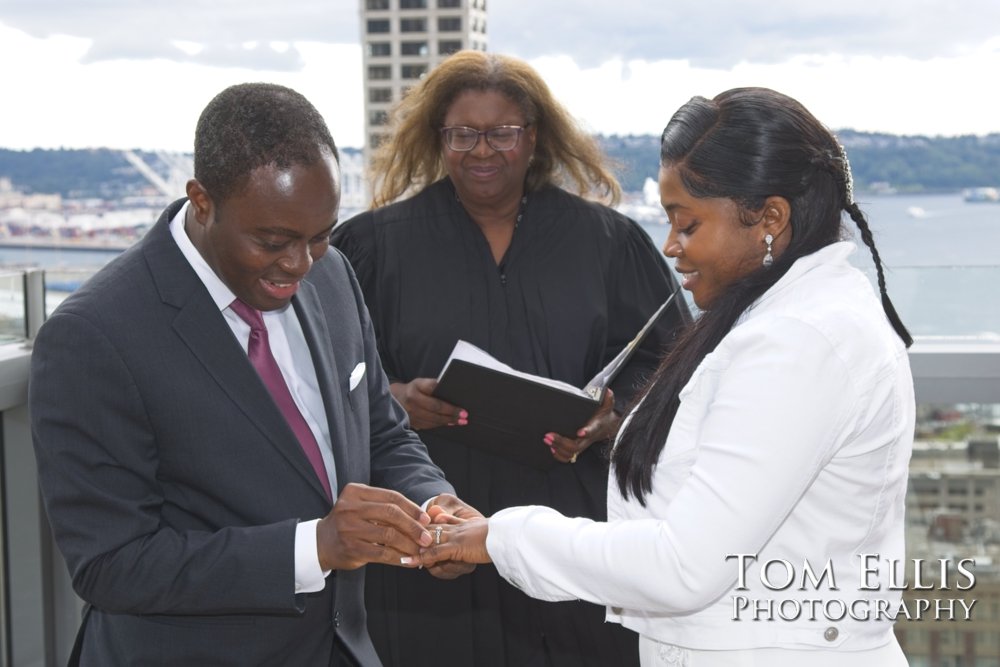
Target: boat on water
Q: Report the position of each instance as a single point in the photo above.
(981, 195)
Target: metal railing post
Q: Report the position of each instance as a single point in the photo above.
(34, 302)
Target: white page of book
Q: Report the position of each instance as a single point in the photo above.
(465, 351)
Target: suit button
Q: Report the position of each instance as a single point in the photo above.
(336, 619)
(831, 634)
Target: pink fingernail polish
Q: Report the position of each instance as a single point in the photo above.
(548, 439)
(463, 415)
(463, 422)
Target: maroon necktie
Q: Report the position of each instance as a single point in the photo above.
(260, 355)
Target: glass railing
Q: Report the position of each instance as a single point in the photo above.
(55, 285)
(953, 501)
(12, 312)
(954, 302)
(60, 283)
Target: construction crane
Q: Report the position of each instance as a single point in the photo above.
(180, 168)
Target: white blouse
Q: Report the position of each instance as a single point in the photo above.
(791, 446)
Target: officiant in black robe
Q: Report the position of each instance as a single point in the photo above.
(494, 251)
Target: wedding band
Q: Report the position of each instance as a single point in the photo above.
(437, 534)
(572, 459)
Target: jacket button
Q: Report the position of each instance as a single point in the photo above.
(831, 634)
(336, 619)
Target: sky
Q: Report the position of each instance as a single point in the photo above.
(136, 74)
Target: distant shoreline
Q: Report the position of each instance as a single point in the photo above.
(40, 244)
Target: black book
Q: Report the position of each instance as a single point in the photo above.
(511, 411)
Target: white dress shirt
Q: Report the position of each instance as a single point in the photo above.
(288, 345)
(792, 441)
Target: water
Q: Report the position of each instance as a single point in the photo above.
(56, 258)
(941, 259)
(940, 253)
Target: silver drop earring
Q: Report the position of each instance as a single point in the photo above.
(768, 258)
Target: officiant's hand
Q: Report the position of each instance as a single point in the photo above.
(425, 410)
(602, 426)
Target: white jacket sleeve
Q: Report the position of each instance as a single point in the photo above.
(782, 402)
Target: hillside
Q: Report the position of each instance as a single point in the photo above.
(99, 172)
(906, 163)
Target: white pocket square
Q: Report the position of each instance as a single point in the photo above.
(356, 375)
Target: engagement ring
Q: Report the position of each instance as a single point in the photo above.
(437, 534)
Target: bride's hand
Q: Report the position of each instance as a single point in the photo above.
(464, 542)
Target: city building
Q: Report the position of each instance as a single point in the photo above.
(354, 196)
(11, 197)
(955, 489)
(953, 516)
(402, 40)
(946, 634)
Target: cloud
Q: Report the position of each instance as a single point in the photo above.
(897, 95)
(57, 100)
(707, 33)
(721, 34)
(124, 73)
(220, 29)
(249, 55)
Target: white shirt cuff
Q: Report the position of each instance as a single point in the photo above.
(309, 577)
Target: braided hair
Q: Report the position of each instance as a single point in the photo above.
(746, 145)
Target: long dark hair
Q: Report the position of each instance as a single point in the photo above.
(746, 144)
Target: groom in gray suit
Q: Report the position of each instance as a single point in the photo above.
(199, 404)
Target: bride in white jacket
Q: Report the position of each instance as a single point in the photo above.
(755, 510)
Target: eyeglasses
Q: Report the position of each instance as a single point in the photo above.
(500, 138)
